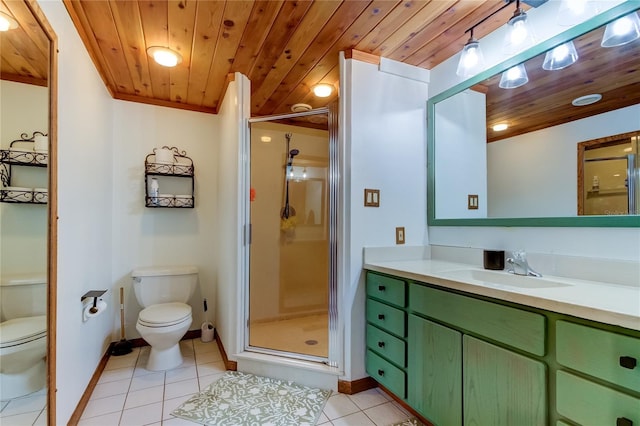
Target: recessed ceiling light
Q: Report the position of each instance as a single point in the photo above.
(500, 127)
(164, 56)
(7, 22)
(323, 90)
(586, 99)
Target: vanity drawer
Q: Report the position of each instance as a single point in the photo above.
(387, 317)
(603, 354)
(391, 290)
(588, 403)
(385, 344)
(387, 374)
(514, 327)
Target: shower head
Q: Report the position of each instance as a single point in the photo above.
(294, 152)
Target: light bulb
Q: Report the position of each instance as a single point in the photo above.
(519, 35)
(514, 77)
(471, 59)
(560, 57)
(622, 31)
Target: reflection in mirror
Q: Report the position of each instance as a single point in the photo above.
(24, 163)
(529, 169)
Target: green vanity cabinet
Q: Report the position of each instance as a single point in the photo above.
(462, 359)
(434, 385)
(386, 359)
(502, 387)
(601, 355)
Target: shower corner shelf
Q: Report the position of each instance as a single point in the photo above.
(181, 168)
(21, 153)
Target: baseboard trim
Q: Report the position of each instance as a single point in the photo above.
(229, 365)
(84, 400)
(405, 406)
(355, 386)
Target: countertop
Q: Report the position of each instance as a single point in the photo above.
(597, 301)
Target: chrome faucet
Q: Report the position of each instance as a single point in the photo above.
(517, 264)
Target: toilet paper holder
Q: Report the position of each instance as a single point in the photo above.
(96, 294)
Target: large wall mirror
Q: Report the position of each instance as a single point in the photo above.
(28, 210)
(529, 174)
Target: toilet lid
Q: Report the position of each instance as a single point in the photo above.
(164, 314)
(22, 330)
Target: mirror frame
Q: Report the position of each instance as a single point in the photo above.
(52, 208)
(573, 221)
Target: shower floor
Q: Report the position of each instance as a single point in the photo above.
(306, 335)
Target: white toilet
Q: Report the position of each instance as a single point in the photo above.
(23, 335)
(163, 292)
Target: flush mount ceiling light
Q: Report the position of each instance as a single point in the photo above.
(323, 90)
(471, 59)
(519, 34)
(514, 77)
(560, 57)
(572, 12)
(586, 99)
(7, 22)
(266, 139)
(622, 31)
(500, 127)
(164, 56)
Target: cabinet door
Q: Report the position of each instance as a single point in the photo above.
(434, 379)
(502, 387)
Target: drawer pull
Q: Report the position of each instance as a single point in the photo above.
(628, 362)
(381, 288)
(381, 373)
(381, 316)
(623, 421)
(381, 344)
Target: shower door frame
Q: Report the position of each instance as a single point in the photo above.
(334, 347)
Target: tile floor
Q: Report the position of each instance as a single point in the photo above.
(128, 394)
(27, 410)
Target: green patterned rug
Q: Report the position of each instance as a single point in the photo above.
(409, 422)
(244, 399)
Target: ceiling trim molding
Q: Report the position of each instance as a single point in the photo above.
(163, 103)
(362, 56)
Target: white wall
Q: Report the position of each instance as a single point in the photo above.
(526, 181)
(233, 190)
(85, 191)
(383, 143)
(145, 236)
(24, 108)
(461, 157)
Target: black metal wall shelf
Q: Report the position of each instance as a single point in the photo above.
(21, 153)
(181, 167)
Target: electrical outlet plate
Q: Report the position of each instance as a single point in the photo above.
(472, 202)
(400, 235)
(371, 197)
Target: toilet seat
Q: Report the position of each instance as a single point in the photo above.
(164, 315)
(19, 331)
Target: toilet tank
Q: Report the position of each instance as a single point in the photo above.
(164, 284)
(23, 296)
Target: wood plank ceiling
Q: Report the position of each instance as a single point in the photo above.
(284, 47)
(287, 46)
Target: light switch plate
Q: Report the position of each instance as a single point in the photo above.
(400, 235)
(371, 197)
(472, 202)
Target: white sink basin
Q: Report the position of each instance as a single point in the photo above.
(502, 278)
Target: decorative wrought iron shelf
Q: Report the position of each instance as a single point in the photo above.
(21, 154)
(182, 167)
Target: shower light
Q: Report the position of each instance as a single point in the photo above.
(164, 56)
(500, 127)
(304, 173)
(323, 90)
(7, 22)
